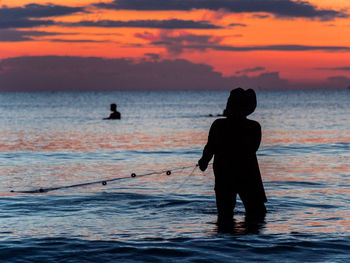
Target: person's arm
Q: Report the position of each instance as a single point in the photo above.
(208, 150)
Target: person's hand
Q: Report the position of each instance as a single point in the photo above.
(202, 165)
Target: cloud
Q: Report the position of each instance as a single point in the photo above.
(250, 70)
(281, 48)
(176, 41)
(75, 40)
(162, 24)
(27, 16)
(335, 68)
(93, 73)
(11, 35)
(152, 56)
(261, 16)
(339, 81)
(46, 73)
(279, 8)
(215, 15)
(272, 80)
(330, 83)
(238, 24)
(269, 80)
(37, 11)
(23, 23)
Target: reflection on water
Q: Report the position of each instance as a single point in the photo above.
(249, 225)
(304, 159)
(53, 141)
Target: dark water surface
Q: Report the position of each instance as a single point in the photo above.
(57, 139)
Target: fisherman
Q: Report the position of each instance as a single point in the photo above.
(115, 115)
(233, 141)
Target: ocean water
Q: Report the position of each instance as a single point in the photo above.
(54, 139)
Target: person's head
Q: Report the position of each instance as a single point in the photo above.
(113, 107)
(240, 103)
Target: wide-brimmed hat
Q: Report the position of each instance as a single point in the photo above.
(241, 102)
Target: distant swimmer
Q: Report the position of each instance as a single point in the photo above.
(115, 115)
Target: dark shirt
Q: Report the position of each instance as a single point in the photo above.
(115, 115)
(234, 142)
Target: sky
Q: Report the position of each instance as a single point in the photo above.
(174, 44)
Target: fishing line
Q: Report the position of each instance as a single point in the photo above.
(188, 177)
(105, 181)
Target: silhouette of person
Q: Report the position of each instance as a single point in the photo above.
(115, 115)
(234, 141)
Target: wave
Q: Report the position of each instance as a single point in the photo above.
(222, 248)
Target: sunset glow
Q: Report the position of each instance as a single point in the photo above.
(304, 43)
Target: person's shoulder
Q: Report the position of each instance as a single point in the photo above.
(114, 115)
(254, 123)
(219, 122)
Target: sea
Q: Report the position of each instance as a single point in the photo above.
(67, 194)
